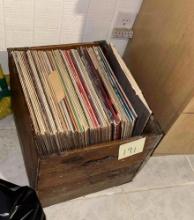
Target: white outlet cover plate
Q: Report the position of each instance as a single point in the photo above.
(122, 33)
(125, 19)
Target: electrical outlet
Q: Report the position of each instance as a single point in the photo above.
(122, 33)
(124, 20)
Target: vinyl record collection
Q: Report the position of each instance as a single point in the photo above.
(74, 98)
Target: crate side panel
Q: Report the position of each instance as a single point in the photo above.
(23, 125)
(88, 171)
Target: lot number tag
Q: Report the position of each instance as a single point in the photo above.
(132, 148)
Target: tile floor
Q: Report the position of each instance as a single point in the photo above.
(164, 189)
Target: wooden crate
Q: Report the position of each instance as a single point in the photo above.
(57, 178)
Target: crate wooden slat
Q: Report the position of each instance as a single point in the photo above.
(57, 178)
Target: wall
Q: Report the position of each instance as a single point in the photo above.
(4, 61)
(38, 22)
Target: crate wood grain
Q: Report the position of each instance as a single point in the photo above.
(75, 173)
